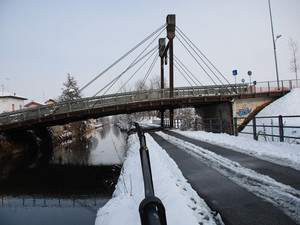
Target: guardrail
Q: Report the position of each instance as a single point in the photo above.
(269, 127)
(152, 211)
(136, 97)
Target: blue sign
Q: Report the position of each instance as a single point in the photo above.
(234, 72)
(243, 80)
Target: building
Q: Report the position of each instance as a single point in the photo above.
(50, 101)
(33, 104)
(11, 102)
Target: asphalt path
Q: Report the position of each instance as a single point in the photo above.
(236, 205)
(282, 174)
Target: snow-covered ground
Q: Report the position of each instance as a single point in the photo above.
(174, 191)
(283, 196)
(288, 105)
(182, 204)
(276, 152)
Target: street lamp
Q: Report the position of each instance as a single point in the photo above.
(274, 45)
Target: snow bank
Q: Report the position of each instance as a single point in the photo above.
(182, 204)
(280, 153)
(287, 105)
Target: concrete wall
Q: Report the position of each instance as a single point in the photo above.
(6, 104)
(246, 107)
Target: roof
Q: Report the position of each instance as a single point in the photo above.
(33, 103)
(5, 94)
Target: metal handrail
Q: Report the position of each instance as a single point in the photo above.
(218, 125)
(132, 97)
(152, 211)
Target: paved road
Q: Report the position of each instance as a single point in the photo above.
(282, 174)
(236, 205)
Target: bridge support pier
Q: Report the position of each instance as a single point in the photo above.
(162, 117)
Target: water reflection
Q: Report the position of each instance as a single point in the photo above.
(69, 190)
(107, 148)
(45, 210)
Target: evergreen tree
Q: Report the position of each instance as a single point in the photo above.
(71, 90)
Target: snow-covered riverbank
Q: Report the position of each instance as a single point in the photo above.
(183, 205)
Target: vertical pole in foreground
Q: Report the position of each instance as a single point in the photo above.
(274, 46)
(171, 24)
(162, 46)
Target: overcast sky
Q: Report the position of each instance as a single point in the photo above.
(41, 40)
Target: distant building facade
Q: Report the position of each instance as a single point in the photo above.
(11, 102)
(33, 104)
(50, 101)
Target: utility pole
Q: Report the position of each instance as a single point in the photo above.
(162, 46)
(171, 24)
(274, 45)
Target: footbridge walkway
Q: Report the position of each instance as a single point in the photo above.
(130, 102)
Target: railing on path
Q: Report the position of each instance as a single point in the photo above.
(281, 127)
(152, 211)
(141, 96)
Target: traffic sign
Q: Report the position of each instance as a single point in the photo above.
(243, 80)
(234, 72)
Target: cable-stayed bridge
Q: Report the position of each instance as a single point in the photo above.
(164, 97)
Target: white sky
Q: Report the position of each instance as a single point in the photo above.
(41, 41)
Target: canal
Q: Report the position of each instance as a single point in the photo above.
(69, 188)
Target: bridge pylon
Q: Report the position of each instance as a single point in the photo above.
(162, 55)
(171, 24)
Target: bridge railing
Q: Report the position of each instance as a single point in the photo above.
(140, 96)
(272, 128)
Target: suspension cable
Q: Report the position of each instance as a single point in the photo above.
(148, 72)
(122, 57)
(111, 83)
(186, 70)
(197, 61)
(176, 64)
(131, 65)
(201, 59)
(136, 71)
(185, 37)
(183, 75)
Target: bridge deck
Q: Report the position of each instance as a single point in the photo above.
(129, 102)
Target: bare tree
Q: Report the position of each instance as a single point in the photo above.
(294, 66)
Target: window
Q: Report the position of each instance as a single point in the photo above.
(13, 107)
(20, 107)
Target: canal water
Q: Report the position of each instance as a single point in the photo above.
(69, 189)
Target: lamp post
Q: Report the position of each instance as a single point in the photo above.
(274, 46)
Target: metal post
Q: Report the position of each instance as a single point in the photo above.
(235, 130)
(254, 129)
(274, 46)
(281, 133)
(171, 35)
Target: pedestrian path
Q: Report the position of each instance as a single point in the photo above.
(282, 174)
(236, 205)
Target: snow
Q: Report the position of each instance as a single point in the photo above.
(288, 105)
(283, 196)
(176, 193)
(277, 152)
(169, 185)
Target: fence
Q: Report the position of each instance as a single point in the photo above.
(152, 211)
(136, 97)
(282, 128)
